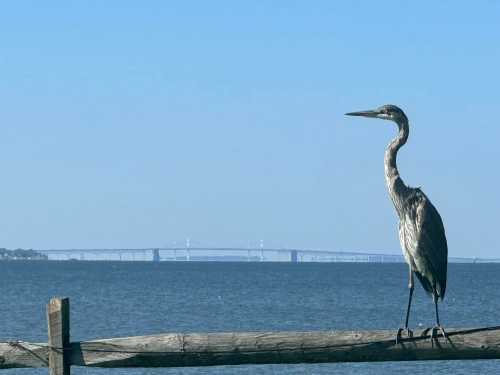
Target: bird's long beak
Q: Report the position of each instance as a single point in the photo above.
(369, 113)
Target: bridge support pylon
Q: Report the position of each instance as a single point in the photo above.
(156, 255)
(294, 256)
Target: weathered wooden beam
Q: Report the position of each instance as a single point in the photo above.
(18, 354)
(175, 350)
(58, 328)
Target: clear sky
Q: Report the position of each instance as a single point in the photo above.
(132, 124)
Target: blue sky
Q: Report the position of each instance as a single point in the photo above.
(132, 124)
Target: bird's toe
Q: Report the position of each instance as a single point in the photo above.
(408, 333)
(434, 332)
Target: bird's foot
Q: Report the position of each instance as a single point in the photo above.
(434, 332)
(407, 331)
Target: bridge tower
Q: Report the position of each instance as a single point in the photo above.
(188, 251)
(156, 255)
(261, 250)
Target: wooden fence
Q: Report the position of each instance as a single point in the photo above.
(237, 348)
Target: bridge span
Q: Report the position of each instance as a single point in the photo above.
(259, 254)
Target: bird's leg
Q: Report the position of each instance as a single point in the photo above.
(408, 331)
(411, 287)
(437, 328)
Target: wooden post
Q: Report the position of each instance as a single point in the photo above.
(58, 327)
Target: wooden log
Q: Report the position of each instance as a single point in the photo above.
(58, 327)
(195, 349)
(19, 354)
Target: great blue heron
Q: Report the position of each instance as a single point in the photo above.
(421, 230)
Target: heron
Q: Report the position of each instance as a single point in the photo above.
(421, 230)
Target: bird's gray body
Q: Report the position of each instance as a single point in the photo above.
(421, 230)
(423, 241)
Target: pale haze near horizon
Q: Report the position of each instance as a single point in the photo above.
(136, 125)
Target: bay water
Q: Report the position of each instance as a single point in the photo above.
(115, 299)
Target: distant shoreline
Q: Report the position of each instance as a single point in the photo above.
(21, 254)
(42, 257)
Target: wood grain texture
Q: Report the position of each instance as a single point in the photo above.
(23, 354)
(58, 329)
(195, 349)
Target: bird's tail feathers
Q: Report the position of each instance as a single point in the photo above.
(436, 291)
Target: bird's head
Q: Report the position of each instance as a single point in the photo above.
(386, 112)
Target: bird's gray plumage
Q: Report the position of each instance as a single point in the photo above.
(423, 241)
(421, 229)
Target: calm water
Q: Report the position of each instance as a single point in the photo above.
(111, 299)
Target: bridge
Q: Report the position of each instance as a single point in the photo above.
(260, 254)
(256, 254)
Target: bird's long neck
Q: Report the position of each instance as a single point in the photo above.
(396, 186)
